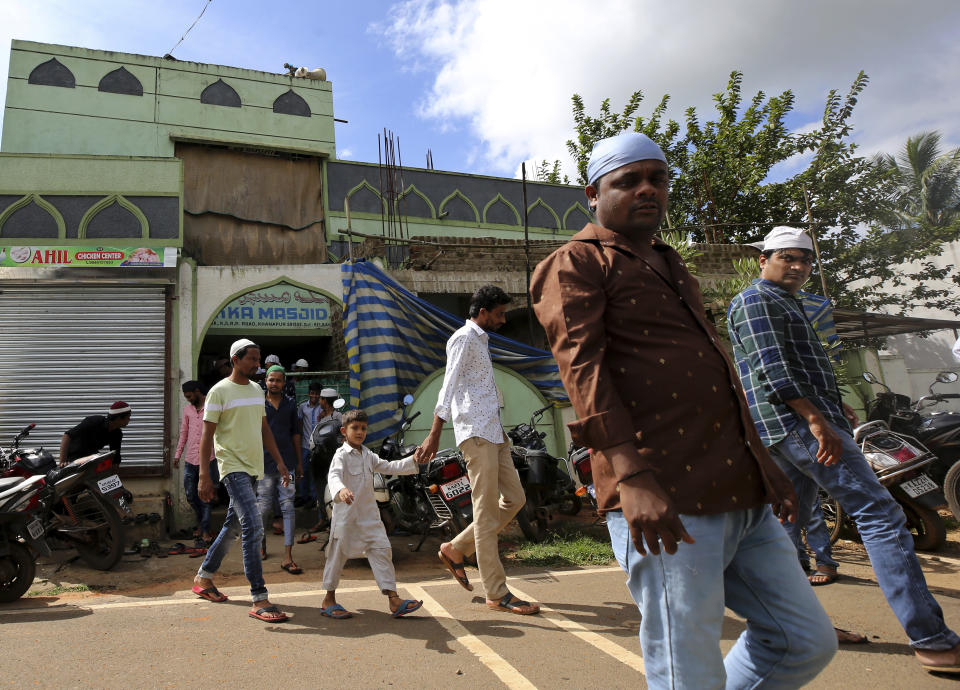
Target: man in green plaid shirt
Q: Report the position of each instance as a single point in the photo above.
(793, 398)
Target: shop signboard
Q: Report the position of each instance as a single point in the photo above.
(86, 257)
(283, 307)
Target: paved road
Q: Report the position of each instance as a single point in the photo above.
(586, 636)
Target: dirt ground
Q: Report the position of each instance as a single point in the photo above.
(66, 576)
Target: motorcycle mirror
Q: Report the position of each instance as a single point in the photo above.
(339, 403)
(407, 399)
(947, 377)
(870, 377)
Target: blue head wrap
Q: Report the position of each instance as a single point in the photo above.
(614, 152)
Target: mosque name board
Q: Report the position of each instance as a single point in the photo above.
(280, 307)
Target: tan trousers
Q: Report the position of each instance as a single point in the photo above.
(497, 496)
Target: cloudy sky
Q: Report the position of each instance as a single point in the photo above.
(486, 84)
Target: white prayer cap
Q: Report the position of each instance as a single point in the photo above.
(272, 359)
(783, 237)
(615, 152)
(301, 363)
(329, 393)
(239, 345)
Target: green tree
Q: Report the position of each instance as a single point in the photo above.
(544, 172)
(896, 255)
(721, 188)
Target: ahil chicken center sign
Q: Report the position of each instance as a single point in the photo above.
(126, 257)
(280, 307)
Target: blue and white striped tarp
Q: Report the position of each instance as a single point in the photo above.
(395, 340)
(819, 312)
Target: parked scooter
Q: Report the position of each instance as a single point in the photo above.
(939, 431)
(88, 500)
(580, 468)
(897, 460)
(21, 533)
(549, 489)
(438, 497)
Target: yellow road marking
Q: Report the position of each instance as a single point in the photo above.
(510, 676)
(605, 645)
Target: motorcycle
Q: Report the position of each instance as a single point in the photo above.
(21, 533)
(897, 460)
(438, 497)
(548, 488)
(939, 431)
(580, 468)
(88, 500)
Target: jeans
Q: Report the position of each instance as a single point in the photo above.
(191, 478)
(269, 488)
(809, 516)
(244, 511)
(305, 485)
(882, 525)
(742, 561)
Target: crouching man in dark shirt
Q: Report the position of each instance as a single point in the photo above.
(95, 432)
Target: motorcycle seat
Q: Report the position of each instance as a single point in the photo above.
(19, 484)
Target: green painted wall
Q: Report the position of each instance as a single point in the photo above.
(93, 176)
(520, 400)
(51, 119)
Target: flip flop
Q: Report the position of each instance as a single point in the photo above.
(210, 594)
(512, 604)
(306, 538)
(847, 637)
(406, 606)
(453, 568)
(292, 568)
(258, 614)
(336, 611)
(830, 578)
(196, 553)
(177, 549)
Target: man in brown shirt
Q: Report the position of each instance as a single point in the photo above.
(678, 465)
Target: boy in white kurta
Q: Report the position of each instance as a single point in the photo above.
(356, 530)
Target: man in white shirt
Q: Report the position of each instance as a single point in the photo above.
(469, 397)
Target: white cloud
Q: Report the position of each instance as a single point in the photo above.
(344, 154)
(506, 70)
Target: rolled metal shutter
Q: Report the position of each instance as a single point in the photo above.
(70, 351)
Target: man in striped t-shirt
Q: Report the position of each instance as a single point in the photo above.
(235, 425)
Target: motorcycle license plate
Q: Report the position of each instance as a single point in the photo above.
(457, 487)
(109, 484)
(918, 486)
(35, 529)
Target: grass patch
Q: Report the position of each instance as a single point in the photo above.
(58, 589)
(564, 549)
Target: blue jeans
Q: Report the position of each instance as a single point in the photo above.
(742, 561)
(809, 516)
(244, 511)
(270, 488)
(191, 477)
(305, 485)
(882, 525)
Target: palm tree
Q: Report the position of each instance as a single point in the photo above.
(927, 183)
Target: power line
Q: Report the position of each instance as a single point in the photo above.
(170, 52)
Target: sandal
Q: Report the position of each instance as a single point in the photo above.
(847, 637)
(210, 594)
(336, 611)
(292, 568)
(453, 568)
(406, 606)
(306, 538)
(819, 578)
(259, 614)
(513, 605)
